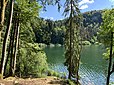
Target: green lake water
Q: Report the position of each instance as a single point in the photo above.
(93, 67)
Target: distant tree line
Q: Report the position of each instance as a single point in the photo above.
(54, 31)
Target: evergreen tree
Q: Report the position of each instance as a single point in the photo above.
(72, 40)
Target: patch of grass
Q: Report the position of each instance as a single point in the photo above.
(71, 82)
(56, 74)
(39, 75)
(53, 73)
(43, 75)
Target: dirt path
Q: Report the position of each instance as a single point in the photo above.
(35, 81)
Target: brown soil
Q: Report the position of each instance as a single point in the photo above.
(34, 81)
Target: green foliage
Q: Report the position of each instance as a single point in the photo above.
(71, 82)
(26, 33)
(105, 30)
(52, 73)
(27, 9)
(54, 31)
(50, 2)
(108, 20)
(48, 32)
(107, 26)
(107, 53)
(33, 60)
(72, 38)
(56, 74)
(86, 43)
(112, 83)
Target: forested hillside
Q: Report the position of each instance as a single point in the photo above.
(54, 31)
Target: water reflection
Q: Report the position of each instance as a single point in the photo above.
(93, 68)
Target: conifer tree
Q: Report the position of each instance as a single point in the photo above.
(72, 39)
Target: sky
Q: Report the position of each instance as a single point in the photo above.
(85, 5)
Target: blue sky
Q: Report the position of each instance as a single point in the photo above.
(85, 5)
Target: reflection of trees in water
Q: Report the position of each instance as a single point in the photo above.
(95, 71)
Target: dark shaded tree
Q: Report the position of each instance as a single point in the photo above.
(3, 4)
(4, 57)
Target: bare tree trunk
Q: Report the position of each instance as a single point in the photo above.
(9, 51)
(71, 26)
(11, 46)
(16, 46)
(19, 60)
(12, 49)
(110, 60)
(4, 57)
(2, 14)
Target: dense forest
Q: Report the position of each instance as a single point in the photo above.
(54, 31)
(20, 20)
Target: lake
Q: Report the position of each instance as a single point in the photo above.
(93, 68)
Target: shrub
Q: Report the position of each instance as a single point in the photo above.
(33, 60)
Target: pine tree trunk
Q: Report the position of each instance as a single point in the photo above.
(9, 51)
(2, 14)
(19, 60)
(16, 46)
(71, 26)
(12, 49)
(11, 46)
(4, 57)
(110, 60)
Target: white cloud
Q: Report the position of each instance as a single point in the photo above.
(42, 12)
(83, 3)
(49, 18)
(84, 7)
(86, 2)
(61, 19)
(111, 1)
